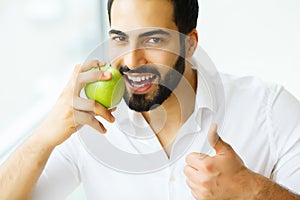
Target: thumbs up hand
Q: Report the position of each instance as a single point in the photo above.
(223, 176)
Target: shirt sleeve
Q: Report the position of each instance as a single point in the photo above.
(61, 174)
(285, 134)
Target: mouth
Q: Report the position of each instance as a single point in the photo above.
(140, 83)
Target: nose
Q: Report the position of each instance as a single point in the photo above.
(135, 58)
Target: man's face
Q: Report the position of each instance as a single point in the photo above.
(145, 46)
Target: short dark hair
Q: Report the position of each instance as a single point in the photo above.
(185, 14)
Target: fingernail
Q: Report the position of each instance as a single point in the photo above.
(213, 134)
(107, 74)
(112, 118)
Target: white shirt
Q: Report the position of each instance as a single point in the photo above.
(261, 123)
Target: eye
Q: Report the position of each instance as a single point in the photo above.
(119, 38)
(155, 40)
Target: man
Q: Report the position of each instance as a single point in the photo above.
(254, 126)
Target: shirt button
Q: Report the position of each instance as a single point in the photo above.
(172, 178)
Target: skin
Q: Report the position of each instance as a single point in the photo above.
(223, 176)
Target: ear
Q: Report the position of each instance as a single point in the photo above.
(191, 43)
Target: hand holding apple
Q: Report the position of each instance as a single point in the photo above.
(71, 111)
(110, 92)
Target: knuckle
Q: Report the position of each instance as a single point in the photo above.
(92, 63)
(202, 156)
(190, 157)
(198, 181)
(207, 167)
(205, 183)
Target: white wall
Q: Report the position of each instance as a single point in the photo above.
(254, 37)
(41, 41)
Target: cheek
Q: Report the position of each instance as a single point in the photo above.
(116, 63)
(162, 58)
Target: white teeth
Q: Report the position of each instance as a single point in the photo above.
(137, 81)
(139, 85)
(139, 78)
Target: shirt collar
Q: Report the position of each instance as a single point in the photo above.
(205, 93)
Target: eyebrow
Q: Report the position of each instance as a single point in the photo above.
(117, 32)
(146, 34)
(154, 32)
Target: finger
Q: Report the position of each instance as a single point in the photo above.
(89, 77)
(94, 107)
(197, 178)
(216, 141)
(82, 118)
(191, 184)
(91, 64)
(190, 172)
(193, 175)
(202, 193)
(198, 192)
(202, 163)
(195, 160)
(112, 109)
(93, 75)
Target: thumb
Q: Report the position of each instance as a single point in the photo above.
(215, 140)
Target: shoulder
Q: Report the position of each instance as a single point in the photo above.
(71, 148)
(262, 114)
(250, 84)
(249, 94)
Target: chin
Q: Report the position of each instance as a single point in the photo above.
(142, 102)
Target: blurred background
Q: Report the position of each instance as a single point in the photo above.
(42, 40)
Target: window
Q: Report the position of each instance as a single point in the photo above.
(41, 41)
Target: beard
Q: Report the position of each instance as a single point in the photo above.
(165, 86)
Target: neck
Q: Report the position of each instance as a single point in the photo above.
(167, 119)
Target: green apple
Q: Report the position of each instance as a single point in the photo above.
(110, 92)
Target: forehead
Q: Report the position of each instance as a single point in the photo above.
(129, 15)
